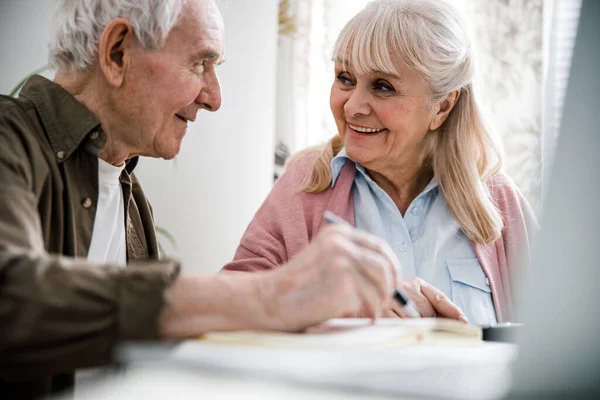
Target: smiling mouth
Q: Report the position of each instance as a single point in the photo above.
(367, 131)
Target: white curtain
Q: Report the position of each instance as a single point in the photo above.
(510, 43)
(560, 28)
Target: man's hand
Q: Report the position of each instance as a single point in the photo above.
(342, 272)
(429, 301)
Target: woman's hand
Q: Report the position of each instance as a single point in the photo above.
(429, 301)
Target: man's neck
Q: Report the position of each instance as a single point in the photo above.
(88, 89)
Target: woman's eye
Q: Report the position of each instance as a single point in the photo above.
(343, 79)
(383, 87)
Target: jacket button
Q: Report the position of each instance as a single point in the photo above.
(60, 154)
(86, 202)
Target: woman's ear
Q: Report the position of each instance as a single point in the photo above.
(445, 105)
(115, 50)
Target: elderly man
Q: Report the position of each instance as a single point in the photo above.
(130, 77)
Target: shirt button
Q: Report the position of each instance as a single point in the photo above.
(86, 202)
(487, 281)
(94, 135)
(403, 247)
(60, 154)
(416, 211)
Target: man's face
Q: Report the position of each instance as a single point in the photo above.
(163, 90)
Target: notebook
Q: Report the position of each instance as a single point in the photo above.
(357, 333)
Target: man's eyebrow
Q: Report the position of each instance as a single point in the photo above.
(209, 55)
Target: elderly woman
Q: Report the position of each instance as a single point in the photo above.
(412, 163)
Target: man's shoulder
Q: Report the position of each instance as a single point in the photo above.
(22, 138)
(14, 106)
(16, 116)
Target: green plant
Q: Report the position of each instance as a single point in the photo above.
(15, 90)
(162, 232)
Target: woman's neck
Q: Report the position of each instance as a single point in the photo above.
(403, 185)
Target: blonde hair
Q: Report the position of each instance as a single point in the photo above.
(430, 37)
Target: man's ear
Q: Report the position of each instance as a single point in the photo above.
(115, 50)
(445, 106)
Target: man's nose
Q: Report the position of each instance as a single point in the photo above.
(209, 97)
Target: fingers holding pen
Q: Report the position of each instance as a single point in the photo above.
(364, 263)
(370, 244)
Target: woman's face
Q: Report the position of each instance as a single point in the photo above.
(382, 119)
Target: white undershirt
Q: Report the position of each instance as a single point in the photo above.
(108, 244)
(108, 235)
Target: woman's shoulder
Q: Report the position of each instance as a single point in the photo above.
(298, 166)
(507, 195)
(501, 184)
(304, 159)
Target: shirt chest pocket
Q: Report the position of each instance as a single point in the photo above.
(471, 290)
(468, 272)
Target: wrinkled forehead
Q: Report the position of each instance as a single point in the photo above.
(201, 26)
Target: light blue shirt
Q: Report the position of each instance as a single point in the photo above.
(428, 241)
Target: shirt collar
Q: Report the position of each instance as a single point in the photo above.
(67, 121)
(338, 162)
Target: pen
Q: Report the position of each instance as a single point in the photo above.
(404, 301)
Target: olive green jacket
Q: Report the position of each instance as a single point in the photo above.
(58, 312)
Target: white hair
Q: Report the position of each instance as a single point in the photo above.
(78, 26)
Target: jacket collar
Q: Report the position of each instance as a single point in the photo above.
(67, 121)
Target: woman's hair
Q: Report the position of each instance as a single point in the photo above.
(431, 38)
(78, 26)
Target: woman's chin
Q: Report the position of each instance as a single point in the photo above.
(360, 155)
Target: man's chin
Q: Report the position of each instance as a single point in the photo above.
(168, 150)
(169, 157)
(169, 154)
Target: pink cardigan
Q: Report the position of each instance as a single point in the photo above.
(288, 219)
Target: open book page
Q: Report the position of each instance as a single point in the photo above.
(348, 333)
(399, 357)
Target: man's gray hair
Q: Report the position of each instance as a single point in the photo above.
(78, 26)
